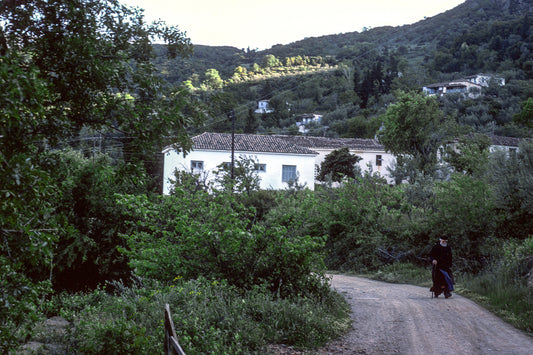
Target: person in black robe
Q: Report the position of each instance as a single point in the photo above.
(441, 258)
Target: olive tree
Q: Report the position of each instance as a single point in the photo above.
(338, 164)
(414, 128)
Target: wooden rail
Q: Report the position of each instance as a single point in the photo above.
(171, 346)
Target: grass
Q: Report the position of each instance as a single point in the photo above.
(509, 299)
(404, 273)
(210, 317)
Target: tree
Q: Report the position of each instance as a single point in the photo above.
(511, 175)
(87, 51)
(338, 164)
(471, 154)
(213, 81)
(251, 124)
(525, 117)
(270, 61)
(67, 66)
(29, 225)
(464, 208)
(415, 128)
(243, 178)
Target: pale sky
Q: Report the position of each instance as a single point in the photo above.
(262, 24)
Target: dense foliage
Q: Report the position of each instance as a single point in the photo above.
(84, 113)
(350, 78)
(204, 236)
(68, 67)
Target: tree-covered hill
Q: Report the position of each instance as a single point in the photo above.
(351, 78)
(420, 38)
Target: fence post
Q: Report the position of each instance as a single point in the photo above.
(171, 345)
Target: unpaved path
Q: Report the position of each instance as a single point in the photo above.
(404, 319)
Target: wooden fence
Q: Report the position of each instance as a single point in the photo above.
(171, 346)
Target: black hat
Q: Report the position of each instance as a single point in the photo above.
(444, 237)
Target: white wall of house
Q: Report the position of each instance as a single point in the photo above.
(368, 157)
(503, 148)
(263, 107)
(271, 178)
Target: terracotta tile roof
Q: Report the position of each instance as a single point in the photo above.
(334, 143)
(248, 143)
(500, 140)
(505, 141)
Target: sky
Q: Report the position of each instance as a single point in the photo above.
(260, 24)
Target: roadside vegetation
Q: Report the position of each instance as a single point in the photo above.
(86, 235)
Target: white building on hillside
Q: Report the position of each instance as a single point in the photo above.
(507, 144)
(279, 159)
(306, 119)
(263, 107)
(471, 86)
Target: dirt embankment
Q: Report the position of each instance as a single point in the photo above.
(404, 319)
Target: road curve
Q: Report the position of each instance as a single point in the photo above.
(404, 319)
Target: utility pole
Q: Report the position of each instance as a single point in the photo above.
(232, 116)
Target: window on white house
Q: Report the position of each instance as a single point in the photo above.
(379, 160)
(260, 167)
(288, 173)
(512, 152)
(197, 165)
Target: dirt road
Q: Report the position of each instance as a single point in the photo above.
(404, 319)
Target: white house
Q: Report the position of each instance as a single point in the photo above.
(464, 87)
(470, 86)
(507, 144)
(307, 119)
(263, 107)
(373, 154)
(278, 162)
(279, 159)
(485, 79)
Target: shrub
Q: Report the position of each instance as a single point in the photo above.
(212, 236)
(209, 317)
(20, 299)
(503, 288)
(465, 210)
(358, 219)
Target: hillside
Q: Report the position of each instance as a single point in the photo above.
(443, 28)
(350, 78)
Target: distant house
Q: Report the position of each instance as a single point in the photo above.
(471, 86)
(263, 107)
(466, 88)
(485, 79)
(279, 159)
(507, 144)
(306, 119)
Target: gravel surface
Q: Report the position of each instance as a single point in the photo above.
(404, 319)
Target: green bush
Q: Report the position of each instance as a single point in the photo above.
(20, 299)
(209, 317)
(464, 209)
(502, 286)
(212, 236)
(360, 219)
